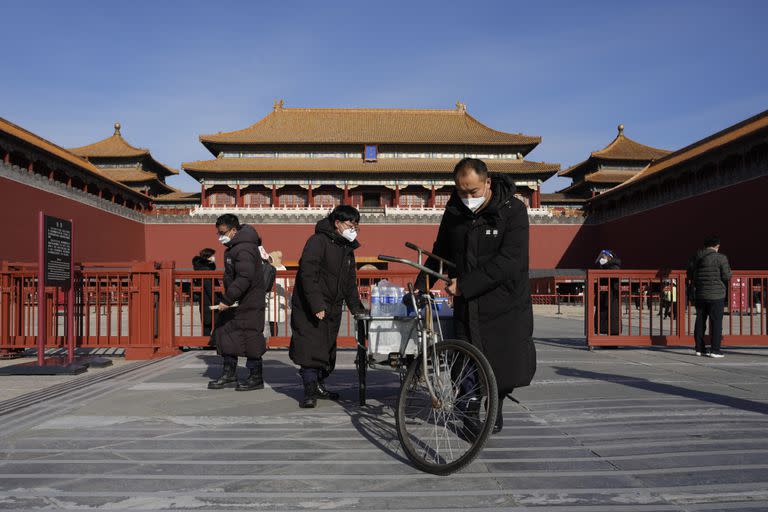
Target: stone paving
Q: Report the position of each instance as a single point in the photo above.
(610, 430)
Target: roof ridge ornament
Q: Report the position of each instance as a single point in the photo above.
(461, 107)
(117, 128)
(279, 104)
(621, 129)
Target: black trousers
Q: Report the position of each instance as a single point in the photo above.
(712, 310)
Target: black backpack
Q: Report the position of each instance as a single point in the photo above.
(269, 275)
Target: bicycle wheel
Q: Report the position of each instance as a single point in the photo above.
(444, 436)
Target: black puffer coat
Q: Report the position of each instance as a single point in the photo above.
(494, 311)
(240, 330)
(710, 274)
(608, 315)
(326, 278)
(206, 301)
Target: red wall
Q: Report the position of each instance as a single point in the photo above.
(99, 236)
(667, 236)
(551, 245)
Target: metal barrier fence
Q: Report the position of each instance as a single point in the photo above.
(150, 309)
(646, 307)
(554, 299)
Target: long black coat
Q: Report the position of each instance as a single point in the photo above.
(206, 301)
(326, 278)
(608, 314)
(240, 330)
(494, 311)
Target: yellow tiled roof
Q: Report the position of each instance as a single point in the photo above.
(357, 165)
(372, 126)
(57, 151)
(621, 148)
(680, 157)
(116, 146)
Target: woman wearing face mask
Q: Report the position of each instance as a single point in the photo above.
(325, 279)
(609, 311)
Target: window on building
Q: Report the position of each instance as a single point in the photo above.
(327, 197)
(414, 197)
(292, 196)
(257, 197)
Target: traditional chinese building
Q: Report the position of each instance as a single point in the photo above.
(605, 169)
(138, 169)
(374, 159)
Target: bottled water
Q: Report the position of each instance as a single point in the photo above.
(390, 293)
(375, 300)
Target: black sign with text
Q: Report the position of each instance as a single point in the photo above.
(58, 252)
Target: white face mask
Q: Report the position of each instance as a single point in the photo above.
(602, 261)
(224, 239)
(473, 203)
(349, 234)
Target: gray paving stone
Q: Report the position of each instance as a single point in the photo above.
(651, 430)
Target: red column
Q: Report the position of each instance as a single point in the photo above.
(396, 201)
(238, 199)
(310, 197)
(432, 198)
(203, 198)
(50, 174)
(69, 181)
(31, 167)
(275, 201)
(537, 198)
(346, 194)
(7, 158)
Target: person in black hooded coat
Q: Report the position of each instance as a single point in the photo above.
(240, 330)
(608, 311)
(326, 278)
(484, 231)
(205, 261)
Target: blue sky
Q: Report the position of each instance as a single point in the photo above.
(672, 72)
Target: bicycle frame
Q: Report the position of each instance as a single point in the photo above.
(428, 336)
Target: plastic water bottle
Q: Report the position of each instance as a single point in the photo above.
(375, 300)
(390, 301)
(401, 309)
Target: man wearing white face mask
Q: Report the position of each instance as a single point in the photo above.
(484, 231)
(326, 278)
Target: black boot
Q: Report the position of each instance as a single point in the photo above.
(310, 395)
(254, 380)
(228, 378)
(499, 418)
(324, 394)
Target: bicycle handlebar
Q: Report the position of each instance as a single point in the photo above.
(429, 254)
(415, 265)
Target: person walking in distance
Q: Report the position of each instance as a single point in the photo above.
(710, 274)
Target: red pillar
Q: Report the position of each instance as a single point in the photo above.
(238, 198)
(432, 198)
(536, 198)
(310, 197)
(346, 194)
(396, 201)
(69, 181)
(31, 167)
(7, 158)
(203, 198)
(50, 174)
(275, 201)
